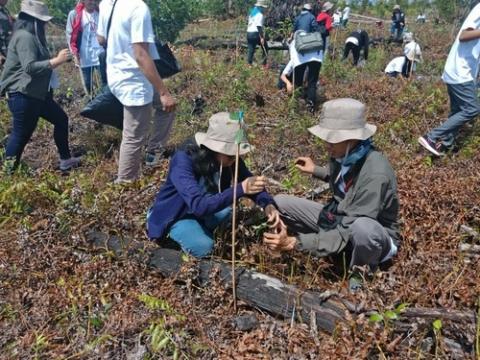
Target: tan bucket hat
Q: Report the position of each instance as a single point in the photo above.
(220, 136)
(343, 119)
(35, 8)
(262, 3)
(307, 6)
(327, 6)
(396, 7)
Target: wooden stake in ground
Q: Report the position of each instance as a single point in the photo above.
(239, 138)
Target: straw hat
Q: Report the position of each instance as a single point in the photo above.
(341, 120)
(262, 3)
(220, 136)
(35, 8)
(327, 6)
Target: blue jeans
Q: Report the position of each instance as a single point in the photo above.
(26, 111)
(88, 77)
(464, 107)
(195, 236)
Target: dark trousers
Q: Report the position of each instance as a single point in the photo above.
(253, 40)
(407, 68)
(88, 73)
(350, 47)
(312, 78)
(26, 111)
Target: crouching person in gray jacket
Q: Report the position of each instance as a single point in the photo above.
(362, 216)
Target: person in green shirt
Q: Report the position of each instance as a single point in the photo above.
(28, 80)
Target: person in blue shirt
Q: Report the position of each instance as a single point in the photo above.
(306, 21)
(198, 194)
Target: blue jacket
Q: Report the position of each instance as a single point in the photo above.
(182, 194)
(306, 22)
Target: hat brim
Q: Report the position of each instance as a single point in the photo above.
(222, 147)
(36, 16)
(335, 136)
(262, 5)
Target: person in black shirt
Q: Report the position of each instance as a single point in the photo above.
(355, 42)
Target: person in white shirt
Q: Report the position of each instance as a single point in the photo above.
(255, 31)
(135, 82)
(337, 18)
(300, 67)
(345, 16)
(460, 76)
(81, 34)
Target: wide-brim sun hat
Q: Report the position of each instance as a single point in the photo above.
(37, 9)
(341, 120)
(327, 6)
(307, 6)
(262, 3)
(221, 135)
(396, 7)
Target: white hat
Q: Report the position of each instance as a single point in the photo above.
(307, 6)
(35, 8)
(221, 135)
(262, 3)
(327, 6)
(341, 120)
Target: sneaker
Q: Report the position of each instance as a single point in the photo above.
(153, 159)
(69, 164)
(435, 148)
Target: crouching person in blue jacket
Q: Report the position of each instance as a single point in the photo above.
(198, 193)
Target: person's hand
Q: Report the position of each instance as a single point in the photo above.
(273, 217)
(168, 102)
(254, 184)
(262, 41)
(63, 56)
(305, 164)
(289, 88)
(280, 241)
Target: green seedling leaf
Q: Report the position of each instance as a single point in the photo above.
(240, 136)
(391, 315)
(185, 257)
(437, 325)
(376, 318)
(401, 308)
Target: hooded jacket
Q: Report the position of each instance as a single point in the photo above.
(373, 194)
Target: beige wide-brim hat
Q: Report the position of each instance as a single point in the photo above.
(262, 3)
(341, 120)
(35, 8)
(307, 6)
(221, 134)
(396, 7)
(327, 6)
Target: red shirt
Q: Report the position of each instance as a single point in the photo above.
(323, 16)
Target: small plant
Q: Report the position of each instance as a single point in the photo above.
(388, 316)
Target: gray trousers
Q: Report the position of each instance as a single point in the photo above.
(369, 241)
(138, 124)
(464, 107)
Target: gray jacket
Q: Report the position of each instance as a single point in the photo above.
(373, 195)
(27, 69)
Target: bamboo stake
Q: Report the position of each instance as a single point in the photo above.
(234, 214)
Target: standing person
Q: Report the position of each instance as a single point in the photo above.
(361, 218)
(135, 82)
(345, 16)
(325, 22)
(81, 31)
(6, 28)
(398, 23)
(337, 18)
(356, 41)
(255, 31)
(197, 195)
(303, 65)
(305, 20)
(460, 76)
(413, 54)
(28, 81)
